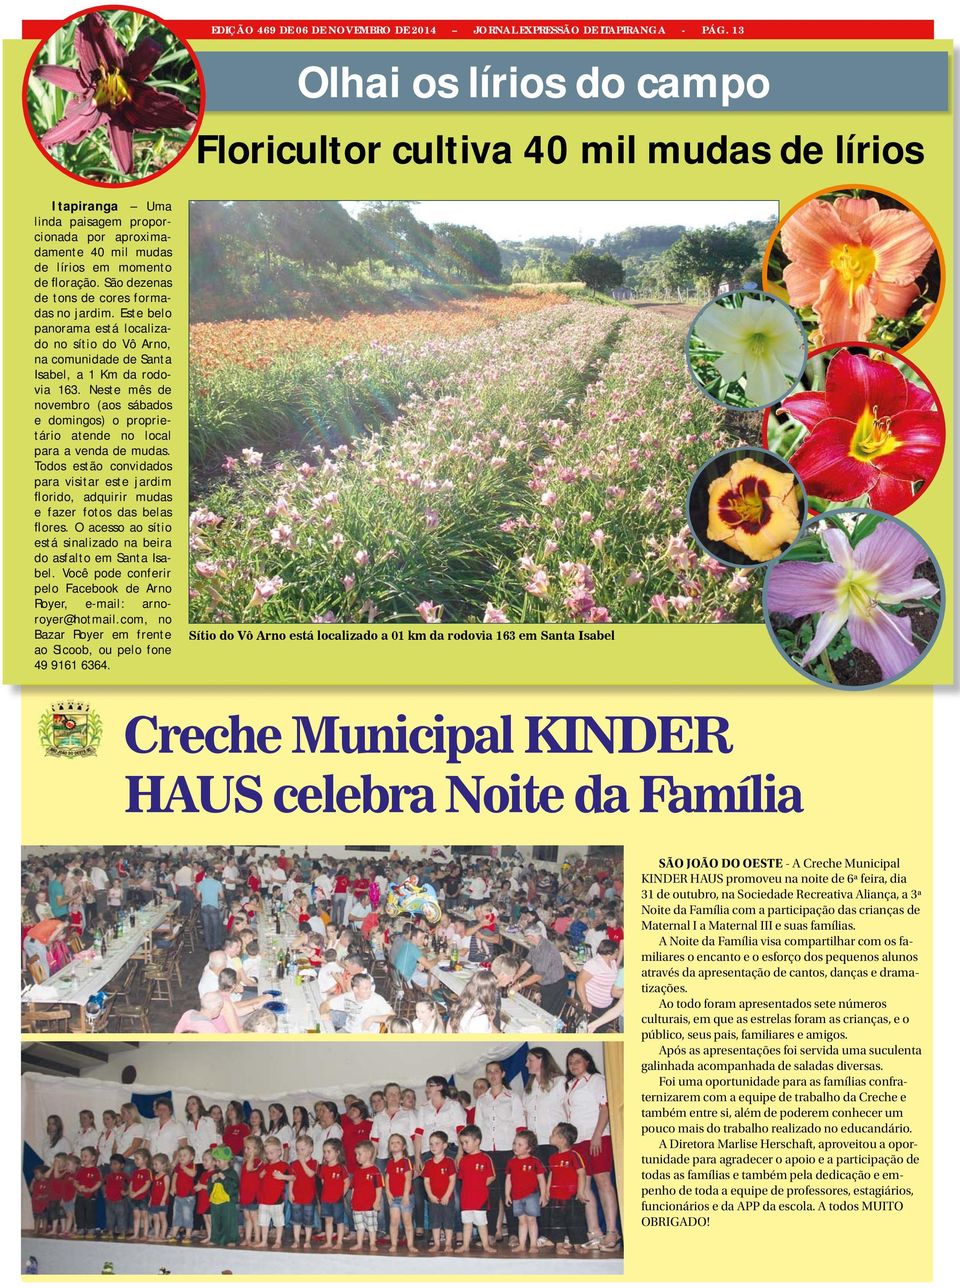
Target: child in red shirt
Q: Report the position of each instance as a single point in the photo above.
(399, 1186)
(68, 1191)
(526, 1187)
(271, 1191)
(40, 1198)
(88, 1181)
(367, 1196)
(567, 1194)
(202, 1190)
(159, 1193)
(303, 1190)
(477, 1174)
(439, 1181)
(139, 1193)
(249, 1190)
(183, 1187)
(356, 1125)
(235, 1131)
(334, 1183)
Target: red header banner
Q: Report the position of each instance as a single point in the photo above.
(534, 29)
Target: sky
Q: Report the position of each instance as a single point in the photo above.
(585, 220)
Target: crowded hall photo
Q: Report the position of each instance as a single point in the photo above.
(450, 1153)
(210, 940)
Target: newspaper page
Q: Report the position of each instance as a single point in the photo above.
(479, 541)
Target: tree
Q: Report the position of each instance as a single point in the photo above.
(468, 253)
(397, 237)
(708, 255)
(597, 272)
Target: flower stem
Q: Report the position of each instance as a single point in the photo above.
(830, 671)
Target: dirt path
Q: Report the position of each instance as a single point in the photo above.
(685, 312)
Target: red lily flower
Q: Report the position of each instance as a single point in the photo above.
(871, 432)
(110, 90)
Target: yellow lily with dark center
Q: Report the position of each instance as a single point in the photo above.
(754, 509)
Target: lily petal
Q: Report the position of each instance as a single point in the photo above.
(796, 589)
(717, 327)
(779, 482)
(96, 43)
(150, 109)
(841, 551)
(842, 319)
(919, 398)
(140, 61)
(893, 301)
(765, 379)
(919, 589)
(811, 234)
(824, 463)
(892, 553)
(920, 436)
(782, 528)
(806, 407)
(75, 124)
(854, 210)
(803, 285)
(121, 144)
(890, 495)
(67, 78)
(829, 625)
(901, 242)
(855, 382)
(887, 639)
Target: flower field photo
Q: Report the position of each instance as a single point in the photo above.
(506, 454)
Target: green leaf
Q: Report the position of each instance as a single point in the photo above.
(869, 523)
(809, 548)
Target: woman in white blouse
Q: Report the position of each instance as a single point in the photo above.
(499, 1115)
(131, 1135)
(202, 1131)
(326, 1125)
(281, 1129)
(88, 1137)
(108, 1139)
(56, 1143)
(543, 1098)
(585, 1106)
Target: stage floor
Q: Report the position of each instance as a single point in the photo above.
(86, 1257)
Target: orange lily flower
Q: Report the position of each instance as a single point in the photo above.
(852, 261)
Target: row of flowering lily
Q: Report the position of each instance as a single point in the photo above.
(538, 475)
(278, 382)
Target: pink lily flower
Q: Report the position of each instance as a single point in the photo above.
(849, 590)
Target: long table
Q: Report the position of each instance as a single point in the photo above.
(75, 982)
(303, 1000)
(521, 1015)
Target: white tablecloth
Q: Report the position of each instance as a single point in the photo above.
(302, 1000)
(72, 985)
(519, 1013)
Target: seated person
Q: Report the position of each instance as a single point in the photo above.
(208, 1019)
(360, 1010)
(411, 960)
